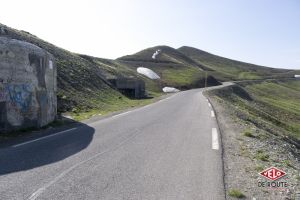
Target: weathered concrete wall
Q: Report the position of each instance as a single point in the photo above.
(27, 85)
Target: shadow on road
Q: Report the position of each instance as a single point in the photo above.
(45, 151)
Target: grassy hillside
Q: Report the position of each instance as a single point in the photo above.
(270, 105)
(166, 55)
(226, 69)
(172, 66)
(82, 85)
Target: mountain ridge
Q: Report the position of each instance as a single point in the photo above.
(228, 69)
(82, 79)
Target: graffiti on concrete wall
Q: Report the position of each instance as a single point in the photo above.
(19, 96)
(27, 85)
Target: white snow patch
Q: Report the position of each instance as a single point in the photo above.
(68, 116)
(147, 72)
(156, 54)
(170, 90)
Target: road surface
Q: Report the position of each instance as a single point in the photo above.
(166, 150)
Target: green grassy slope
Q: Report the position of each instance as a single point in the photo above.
(173, 67)
(82, 85)
(226, 69)
(281, 100)
(167, 55)
(271, 105)
(83, 89)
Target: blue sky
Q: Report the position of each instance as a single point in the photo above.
(265, 32)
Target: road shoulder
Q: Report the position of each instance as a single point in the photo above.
(241, 165)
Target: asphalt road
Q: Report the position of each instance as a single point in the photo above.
(166, 150)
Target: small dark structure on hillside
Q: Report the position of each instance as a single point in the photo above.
(130, 87)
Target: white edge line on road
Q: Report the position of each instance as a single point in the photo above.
(215, 141)
(209, 104)
(48, 136)
(119, 115)
(134, 110)
(212, 113)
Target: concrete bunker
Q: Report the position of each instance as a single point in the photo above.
(130, 87)
(27, 85)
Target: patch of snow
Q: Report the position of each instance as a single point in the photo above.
(170, 90)
(156, 54)
(68, 116)
(147, 72)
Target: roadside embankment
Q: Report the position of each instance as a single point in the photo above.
(259, 124)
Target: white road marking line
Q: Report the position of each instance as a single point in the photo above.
(119, 115)
(215, 141)
(134, 110)
(209, 105)
(24, 143)
(212, 113)
(38, 192)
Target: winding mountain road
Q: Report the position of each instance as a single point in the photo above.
(167, 150)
